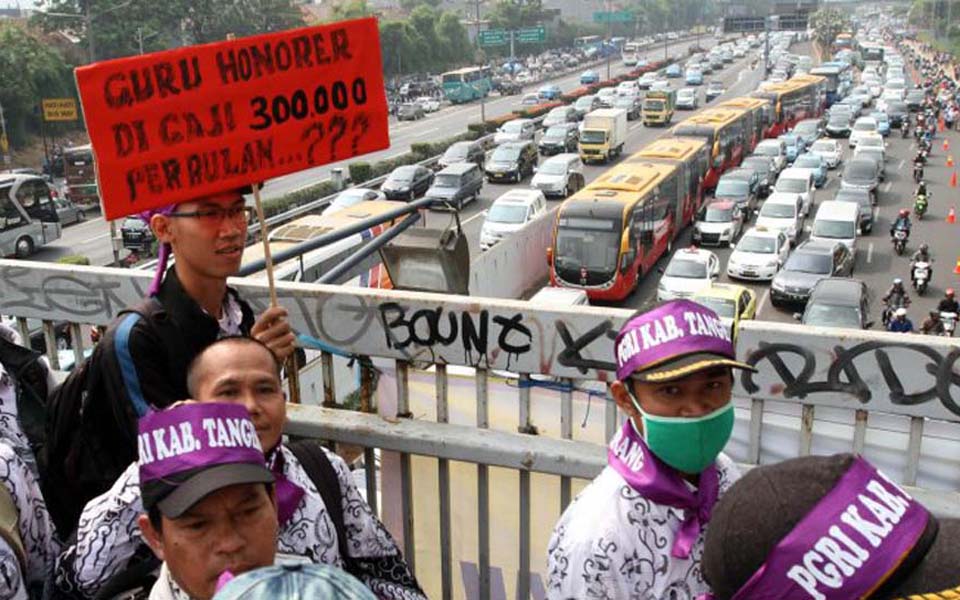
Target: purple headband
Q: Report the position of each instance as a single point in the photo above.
(847, 546)
(194, 436)
(164, 254)
(669, 331)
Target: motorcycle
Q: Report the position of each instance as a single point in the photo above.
(921, 276)
(949, 323)
(917, 172)
(905, 130)
(899, 240)
(893, 303)
(920, 206)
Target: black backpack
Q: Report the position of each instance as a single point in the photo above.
(89, 437)
(30, 376)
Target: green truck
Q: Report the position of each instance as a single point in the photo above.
(658, 107)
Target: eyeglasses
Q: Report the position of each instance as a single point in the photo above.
(215, 216)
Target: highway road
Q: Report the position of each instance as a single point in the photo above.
(92, 238)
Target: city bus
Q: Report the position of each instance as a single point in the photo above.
(759, 114)
(725, 131)
(692, 157)
(630, 54)
(28, 215)
(312, 265)
(610, 234)
(872, 55)
(837, 80)
(587, 42)
(844, 41)
(801, 97)
(81, 175)
(467, 84)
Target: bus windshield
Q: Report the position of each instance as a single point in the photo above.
(593, 244)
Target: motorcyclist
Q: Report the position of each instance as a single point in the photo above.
(896, 295)
(922, 190)
(949, 304)
(932, 325)
(918, 166)
(902, 222)
(921, 255)
(905, 127)
(900, 323)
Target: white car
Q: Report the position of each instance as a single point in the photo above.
(510, 212)
(516, 130)
(689, 271)
(606, 96)
(830, 150)
(628, 88)
(429, 104)
(776, 150)
(758, 255)
(687, 98)
(782, 212)
(874, 140)
(352, 197)
(798, 181)
(559, 175)
(861, 127)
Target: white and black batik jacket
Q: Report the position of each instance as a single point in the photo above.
(108, 537)
(612, 543)
(35, 529)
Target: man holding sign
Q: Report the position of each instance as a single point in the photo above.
(178, 137)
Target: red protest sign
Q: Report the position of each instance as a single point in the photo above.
(184, 123)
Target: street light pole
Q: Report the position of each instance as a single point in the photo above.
(483, 116)
(609, 26)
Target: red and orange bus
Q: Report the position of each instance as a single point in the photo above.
(610, 234)
(794, 100)
(725, 130)
(759, 114)
(692, 157)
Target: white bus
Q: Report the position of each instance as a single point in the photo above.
(28, 215)
(630, 54)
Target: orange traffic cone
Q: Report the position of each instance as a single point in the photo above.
(953, 180)
(946, 144)
(949, 160)
(957, 268)
(952, 216)
(941, 126)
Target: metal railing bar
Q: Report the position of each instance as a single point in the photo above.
(483, 492)
(443, 478)
(806, 429)
(406, 472)
(526, 427)
(914, 444)
(566, 432)
(756, 425)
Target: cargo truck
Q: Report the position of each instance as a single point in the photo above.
(603, 134)
(658, 107)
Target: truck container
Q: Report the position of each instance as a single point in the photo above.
(658, 107)
(603, 134)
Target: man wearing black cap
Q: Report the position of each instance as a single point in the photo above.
(209, 497)
(637, 530)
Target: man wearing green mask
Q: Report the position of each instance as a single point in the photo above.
(637, 530)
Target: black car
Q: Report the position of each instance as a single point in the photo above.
(864, 199)
(914, 99)
(512, 161)
(459, 152)
(738, 188)
(560, 138)
(137, 235)
(407, 182)
(897, 111)
(838, 302)
(838, 126)
(764, 168)
(810, 262)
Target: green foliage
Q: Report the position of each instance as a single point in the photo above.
(30, 71)
(275, 206)
(827, 24)
(427, 40)
(74, 259)
(360, 171)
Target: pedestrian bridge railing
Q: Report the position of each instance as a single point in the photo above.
(479, 419)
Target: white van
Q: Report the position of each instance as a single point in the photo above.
(797, 180)
(509, 213)
(837, 221)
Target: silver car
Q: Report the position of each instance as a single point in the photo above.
(68, 211)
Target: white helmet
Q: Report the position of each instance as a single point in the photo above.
(901, 312)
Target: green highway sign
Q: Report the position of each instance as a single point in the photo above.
(532, 35)
(494, 37)
(619, 16)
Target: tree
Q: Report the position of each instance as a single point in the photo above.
(423, 19)
(827, 24)
(453, 38)
(31, 71)
(409, 5)
(351, 10)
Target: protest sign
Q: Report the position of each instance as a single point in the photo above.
(184, 123)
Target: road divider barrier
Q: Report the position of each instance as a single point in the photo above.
(516, 264)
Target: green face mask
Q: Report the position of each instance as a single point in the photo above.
(689, 445)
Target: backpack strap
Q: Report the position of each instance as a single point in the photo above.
(9, 529)
(321, 472)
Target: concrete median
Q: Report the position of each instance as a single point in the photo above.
(516, 264)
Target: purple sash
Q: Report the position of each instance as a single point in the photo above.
(289, 494)
(629, 456)
(847, 546)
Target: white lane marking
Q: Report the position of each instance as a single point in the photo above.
(633, 127)
(95, 238)
(479, 214)
(763, 302)
(435, 129)
(887, 186)
(902, 162)
(870, 253)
